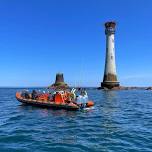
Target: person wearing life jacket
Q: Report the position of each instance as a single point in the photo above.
(59, 97)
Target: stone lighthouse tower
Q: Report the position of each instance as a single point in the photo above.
(110, 75)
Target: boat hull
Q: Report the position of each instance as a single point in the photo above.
(46, 104)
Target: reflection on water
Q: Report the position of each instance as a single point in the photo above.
(109, 95)
(109, 108)
(45, 112)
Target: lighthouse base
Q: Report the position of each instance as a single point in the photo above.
(109, 84)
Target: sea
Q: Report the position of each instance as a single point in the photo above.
(120, 121)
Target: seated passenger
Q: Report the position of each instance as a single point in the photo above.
(50, 97)
(58, 98)
(25, 94)
(34, 95)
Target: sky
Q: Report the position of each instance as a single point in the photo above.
(39, 38)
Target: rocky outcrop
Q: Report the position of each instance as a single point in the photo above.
(127, 88)
(149, 88)
(59, 82)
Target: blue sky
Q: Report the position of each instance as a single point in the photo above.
(39, 38)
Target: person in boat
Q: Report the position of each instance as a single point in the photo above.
(73, 92)
(34, 95)
(50, 96)
(82, 98)
(71, 96)
(25, 94)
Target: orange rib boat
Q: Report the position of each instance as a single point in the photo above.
(53, 104)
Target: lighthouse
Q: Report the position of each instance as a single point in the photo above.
(110, 75)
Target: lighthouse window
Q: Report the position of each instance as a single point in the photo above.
(113, 40)
(111, 57)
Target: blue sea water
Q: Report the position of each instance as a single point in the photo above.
(121, 121)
